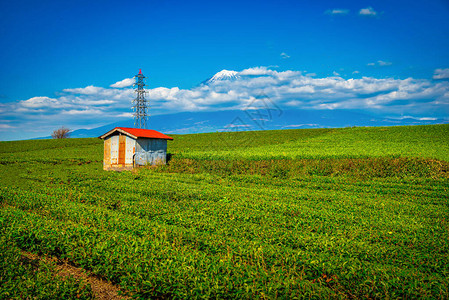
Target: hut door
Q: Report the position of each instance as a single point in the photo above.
(122, 149)
(107, 151)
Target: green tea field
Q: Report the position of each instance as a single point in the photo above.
(349, 213)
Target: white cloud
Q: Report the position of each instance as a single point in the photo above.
(369, 11)
(292, 89)
(238, 125)
(337, 11)
(88, 90)
(37, 102)
(355, 72)
(380, 63)
(257, 71)
(441, 74)
(284, 55)
(82, 112)
(6, 126)
(300, 125)
(417, 118)
(335, 73)
(123, 83)
(95, 102)
(384, 63)
(125, 115)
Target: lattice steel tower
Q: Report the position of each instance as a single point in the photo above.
(140, 103)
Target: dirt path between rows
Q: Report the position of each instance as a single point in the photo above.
(102, 289)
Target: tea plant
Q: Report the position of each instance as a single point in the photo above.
(25, 278)
(326, 213)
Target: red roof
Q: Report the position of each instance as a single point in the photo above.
(138, 133)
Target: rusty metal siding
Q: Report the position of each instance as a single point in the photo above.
(122, 150)
(107, 152)
(114, 149)
(150, 151)
(130, 149)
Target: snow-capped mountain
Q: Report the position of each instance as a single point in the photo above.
(222, 75)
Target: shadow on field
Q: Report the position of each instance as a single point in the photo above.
(169, 157)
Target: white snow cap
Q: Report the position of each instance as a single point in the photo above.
(223, 75)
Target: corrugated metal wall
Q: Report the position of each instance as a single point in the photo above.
(130, 149)
(114, 149)
(107, 152)
(151, 151)
(122, 151)
(118, 152)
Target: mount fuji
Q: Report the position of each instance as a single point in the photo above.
(222, 76)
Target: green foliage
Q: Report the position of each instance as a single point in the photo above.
(292, 168)
(405, 141)
(26, 278)
(292, 214)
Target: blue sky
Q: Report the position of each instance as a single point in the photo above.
(59, 59)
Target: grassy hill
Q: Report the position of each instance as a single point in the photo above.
(406, 141)
(325, 213)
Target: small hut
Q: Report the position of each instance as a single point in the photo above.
(126, 148)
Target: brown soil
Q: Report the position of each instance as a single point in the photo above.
(102, 289)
